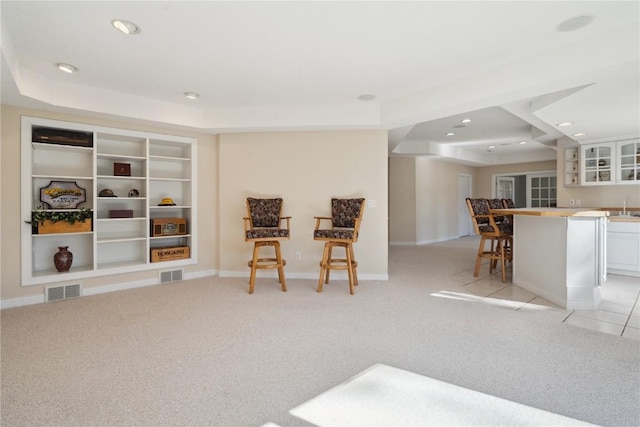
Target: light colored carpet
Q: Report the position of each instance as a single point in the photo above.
(205, 353)
(387, 396)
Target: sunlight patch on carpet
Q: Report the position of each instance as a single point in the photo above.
(386, 396)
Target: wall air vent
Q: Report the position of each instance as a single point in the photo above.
(55, 293)
(170, 276)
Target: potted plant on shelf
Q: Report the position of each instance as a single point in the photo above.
(60, 221)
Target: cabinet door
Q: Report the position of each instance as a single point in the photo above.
(598, 164)
(628, 165)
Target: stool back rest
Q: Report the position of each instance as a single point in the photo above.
(264, 213)
(497, 204)
(346, 213)
(483, 221)
(508, 204)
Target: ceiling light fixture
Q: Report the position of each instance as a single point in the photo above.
(67, 68)
(579, 134)
(575, 23)
(126, 27)
(366, 97)
(465, 121)
(449, 134)
(191, 95)
(522, 142)
(492, 147)
(564, 124)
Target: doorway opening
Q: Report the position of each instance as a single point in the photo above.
(529, 189)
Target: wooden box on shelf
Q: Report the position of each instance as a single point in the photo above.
(169, 253)
(121, 213)
(49, 227)
(168, 227)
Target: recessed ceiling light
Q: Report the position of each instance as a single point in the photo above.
(465, 120)
(366, 97)
(449, 134)
(67, 68)
(575, 23)
(522, 142)
(492, 146)
(564, 124)
(191, 95)
(126, 27)
(579, 134)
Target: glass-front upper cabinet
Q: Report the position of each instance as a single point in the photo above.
(598, 164)
(628, 166)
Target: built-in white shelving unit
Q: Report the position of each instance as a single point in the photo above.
(572, 166)
(156, 167)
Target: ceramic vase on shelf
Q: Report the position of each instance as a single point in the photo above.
(63, 259)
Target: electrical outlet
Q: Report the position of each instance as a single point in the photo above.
(298, 255)
(371, 203)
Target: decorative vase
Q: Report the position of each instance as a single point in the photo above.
(63, 259)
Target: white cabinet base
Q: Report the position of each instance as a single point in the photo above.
(623, 248)
(560, 259)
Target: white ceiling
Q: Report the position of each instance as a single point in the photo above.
(302, 65)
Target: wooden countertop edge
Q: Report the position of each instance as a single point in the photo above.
(559, 212)
(550, 212)
(624, 219)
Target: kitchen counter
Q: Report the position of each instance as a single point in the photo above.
(559, 254)
(563, 212)
(624, 218)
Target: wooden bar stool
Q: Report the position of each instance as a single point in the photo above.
(346, 215)
(499, 237)
(262, 227)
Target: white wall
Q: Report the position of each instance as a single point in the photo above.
(306, 169)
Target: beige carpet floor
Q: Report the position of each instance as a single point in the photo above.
(205, 353)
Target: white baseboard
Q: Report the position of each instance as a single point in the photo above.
(18, 302)
(339, 275)
(424, 242)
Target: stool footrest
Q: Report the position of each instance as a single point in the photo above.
(273, 263)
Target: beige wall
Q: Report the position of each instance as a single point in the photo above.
(10, 285)
(402, 200)
(423, 199)
(437, 199)
(306, 169)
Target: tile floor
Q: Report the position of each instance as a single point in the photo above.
(618, 313)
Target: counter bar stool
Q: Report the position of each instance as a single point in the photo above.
(346, 215)
(262, 227)
(498, 235)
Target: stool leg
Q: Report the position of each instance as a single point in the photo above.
(327, 271)
(281, 278)
(323, 265)
(349, 268)
(254, 263)
(500, 247)
(476, 270)
(354, 265)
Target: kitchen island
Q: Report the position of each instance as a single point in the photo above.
(559, 254)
